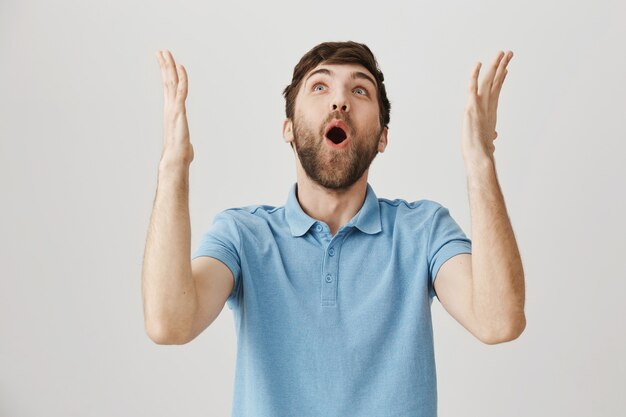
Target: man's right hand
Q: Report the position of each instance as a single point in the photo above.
(177, 148)
(180, 298)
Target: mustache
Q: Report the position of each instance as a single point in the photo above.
(339, 116)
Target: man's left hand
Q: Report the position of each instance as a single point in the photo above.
(479, 120)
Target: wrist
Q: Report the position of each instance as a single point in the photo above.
(477, 159)
(172, 167)
(174, 161)
(479, 166)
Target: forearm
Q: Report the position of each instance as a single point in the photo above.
(498, 276)
(169, 293)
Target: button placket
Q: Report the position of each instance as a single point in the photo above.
(330, 271)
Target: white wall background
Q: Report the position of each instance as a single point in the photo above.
(80, 140)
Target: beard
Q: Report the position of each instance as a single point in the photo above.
(335, 169)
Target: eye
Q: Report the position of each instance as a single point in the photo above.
(360, 91)
(319, 87)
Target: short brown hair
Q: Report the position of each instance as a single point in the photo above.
(338, 53)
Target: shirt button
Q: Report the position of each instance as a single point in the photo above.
(331, 251)
(329, 278)
(318, 227)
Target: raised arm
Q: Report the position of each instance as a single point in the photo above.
(169, 293)
(181, 297)
(485, 291)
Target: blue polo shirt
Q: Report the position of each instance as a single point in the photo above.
(334, 326)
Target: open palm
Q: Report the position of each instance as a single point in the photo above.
(479, 119)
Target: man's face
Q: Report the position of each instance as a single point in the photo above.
(336, 127)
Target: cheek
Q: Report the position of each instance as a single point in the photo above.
(367, 110)
(305, 126)
(308, 123)
(367, 120)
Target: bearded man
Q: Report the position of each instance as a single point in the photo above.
(332, 292)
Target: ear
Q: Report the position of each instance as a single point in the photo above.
(382, 141)
(288, 130)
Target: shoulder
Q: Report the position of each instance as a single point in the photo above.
(253, 214)
(412, 216)
(401, 208)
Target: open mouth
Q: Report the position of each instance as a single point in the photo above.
(336, 135)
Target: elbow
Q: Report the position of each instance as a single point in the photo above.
(163, 336)
(505, 333)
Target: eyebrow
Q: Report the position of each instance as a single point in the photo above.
(355, 75)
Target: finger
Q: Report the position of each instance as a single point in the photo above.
(499, 78)
(181, 92)
(485, 86)
(171, 66)
(164, 76)
(170, 69)
(159, 58)
(162, 66)
(473, 83)
(496, 93)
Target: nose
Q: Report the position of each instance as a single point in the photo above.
(340, 103)
(344, 107)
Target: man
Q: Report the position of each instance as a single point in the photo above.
(331, 293)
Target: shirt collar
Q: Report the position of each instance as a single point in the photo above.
(367, 219)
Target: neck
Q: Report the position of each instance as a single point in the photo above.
(333, 207)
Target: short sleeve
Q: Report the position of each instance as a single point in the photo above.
(222, 242)
(446, 240)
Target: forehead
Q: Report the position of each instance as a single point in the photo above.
(340, 71)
